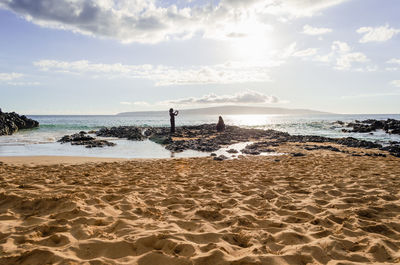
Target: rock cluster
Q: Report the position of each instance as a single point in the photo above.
(205, 138)
(11, 122)
(389, 126)
(259, 147)
(128, 132)
(82, 138)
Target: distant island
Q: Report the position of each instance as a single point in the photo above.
(229, 110)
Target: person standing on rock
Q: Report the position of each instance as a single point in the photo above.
(220, 125)
(172, 115)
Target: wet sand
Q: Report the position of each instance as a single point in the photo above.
(322, 208)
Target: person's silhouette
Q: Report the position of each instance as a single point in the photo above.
(172, 115)
(220, 125)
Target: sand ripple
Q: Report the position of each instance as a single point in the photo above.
(317, 209)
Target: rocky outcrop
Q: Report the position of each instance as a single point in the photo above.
(82, 138)
(206, 138)
(390, 126)
(128, 132)
(11, 122)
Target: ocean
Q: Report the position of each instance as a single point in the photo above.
(43, 140)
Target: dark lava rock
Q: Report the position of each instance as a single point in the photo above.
(129, 132)
(298, 154)
(83, 139)
(392, 149)
(353, 142)
(250, 151)
(11, 122)
(391, 126)
(78, 137)
(323, 147)
(213, 154)
(97, 143)
(232, 151)
(220, 158)
(161, 139)
(259, 147)
(206, 139)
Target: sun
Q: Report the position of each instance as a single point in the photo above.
(251, 41)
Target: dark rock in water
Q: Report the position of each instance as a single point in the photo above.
(232, 151)
(220, 158)
(98, 143)
(78, 137)
(129, 132)
(250, 151)
(391, 126)
(11, 122)
(83, 139)
(206, 139)
(259, 147)
(340, 122)
(213, 154)
(161, 139)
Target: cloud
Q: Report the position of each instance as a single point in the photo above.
(248, 97)
(395, 83)
(23, 83)
(309, 30)
(394, 61)
(299, 8)
(343, 58)
(138, 103)
(227, 73)
(305, 53)
(371, 95)
(9, 76)
(151, 21)
(340, 46)
(345, 61)
(377, 34)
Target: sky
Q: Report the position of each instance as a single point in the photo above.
(111, 56)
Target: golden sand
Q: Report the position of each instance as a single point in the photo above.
(322, 208)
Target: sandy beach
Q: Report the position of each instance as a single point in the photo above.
(322, 208)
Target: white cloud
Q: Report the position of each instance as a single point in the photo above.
(394, 61)
(137, 103)
(309, 30)
(23, 83)
(371, 95)
(395, 83)
(226, 73)
(342, 57)
(248, 97)
(345, 61)
(377, 34)
(299, 8)
(9, 76)
(340, 46)
(305, 53)
(151, 21)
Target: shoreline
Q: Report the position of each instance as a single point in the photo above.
(52, 160)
